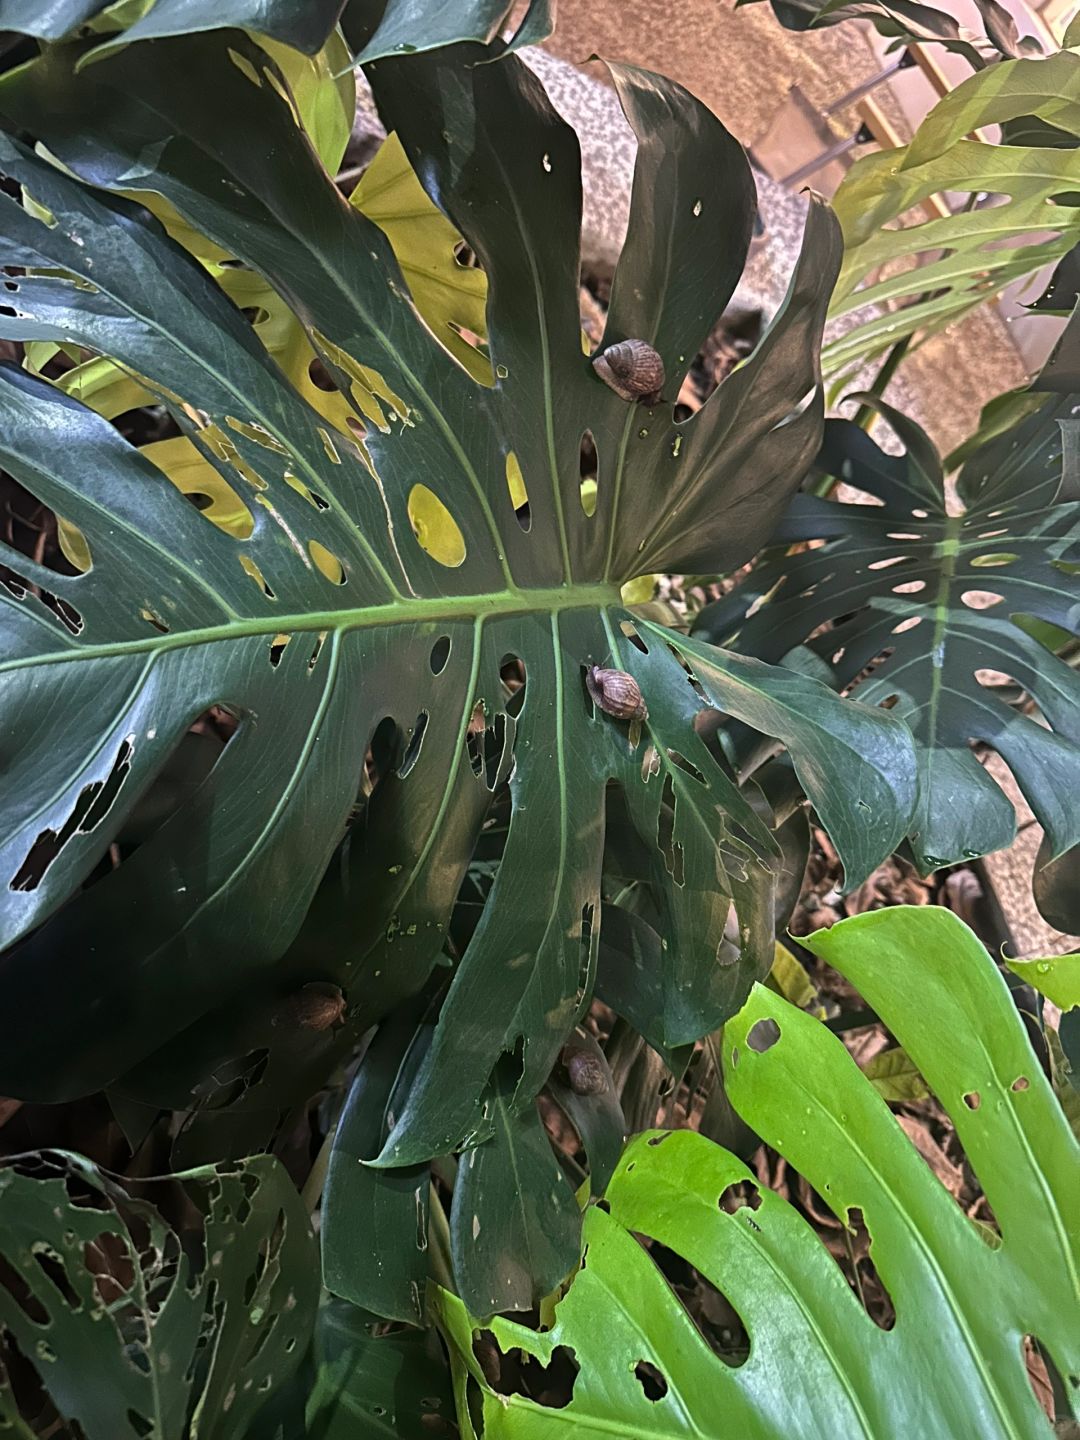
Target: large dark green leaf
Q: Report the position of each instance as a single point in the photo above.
(304, 24)
(515, 1222)
(137, 1326)
(818, 1367)
(928, 599)
(407, 26)
(370, 1382)
(108, 669)
(374, 1231)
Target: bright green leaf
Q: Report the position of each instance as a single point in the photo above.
(964, 1304)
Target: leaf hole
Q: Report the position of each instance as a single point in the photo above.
(994, 560)
(327, 563)
(908, 624)
(437, 532)
(887, 564)
(414, 745)
(981, 599)
(739, 1195)
(686, 766)
(519, 495)
(588, 472)
(513, 676)
(763, 1035)
(909, 587)
(651, 1380)
(316, 651)
(1020, 1083)
(629, 629)
(440, 654)
(474, 737)
(250, 568)
(972, 1099)
(90, 809)
(277, 649)
(857, 1263)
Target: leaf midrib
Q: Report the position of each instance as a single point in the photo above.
(491, 604)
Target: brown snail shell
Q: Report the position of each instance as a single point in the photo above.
(616, 693)
(585, 1071)
(633, 369)
(317, 1006)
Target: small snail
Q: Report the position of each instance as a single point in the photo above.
(633, 370)
(616, 693)
(585, 1071)
(317, 1006)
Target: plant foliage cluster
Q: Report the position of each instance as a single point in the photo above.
(319, 841)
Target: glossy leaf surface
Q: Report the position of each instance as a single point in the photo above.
(929, 599)
(330, 618)
(954, 1359)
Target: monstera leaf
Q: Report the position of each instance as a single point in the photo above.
(965, 1299)
(389, 593)
(928, 609)
(911, 21)
(1018, 219)
(134, 1326)
(396, 26)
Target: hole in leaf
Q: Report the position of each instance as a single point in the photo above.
(909, 587)
(139, 1423)
(519, 496)
(316, 651)
(651, 1380)
(717, 1321)
(972, 1099)
(440, 654)
(320, 376)
(327, 563)
(992, 561)
(588, 464)
(763, 1035)
(277, 649)
(629, 629)
(908, 624)
(519, 1373)
(437, 532)
(981, 599)
(862, 1274)
(738, 1195)
(687, 766)
(20, 589)
(250, 568)
(513, 676)
(474, 737)
(94, 803)
(1020, 1083)
(886, 564)
(412, 749)
(670, 848)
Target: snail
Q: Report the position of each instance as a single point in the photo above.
(585, 1070)
(616, 693)
(633, 369)
(317, 1006)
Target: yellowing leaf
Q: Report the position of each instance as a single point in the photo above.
(788, 978)
(451, 297)
(895, 1077)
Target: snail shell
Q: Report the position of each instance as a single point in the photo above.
(585, 1071)
(616, 693)
(317, 1006)
(633, 369)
